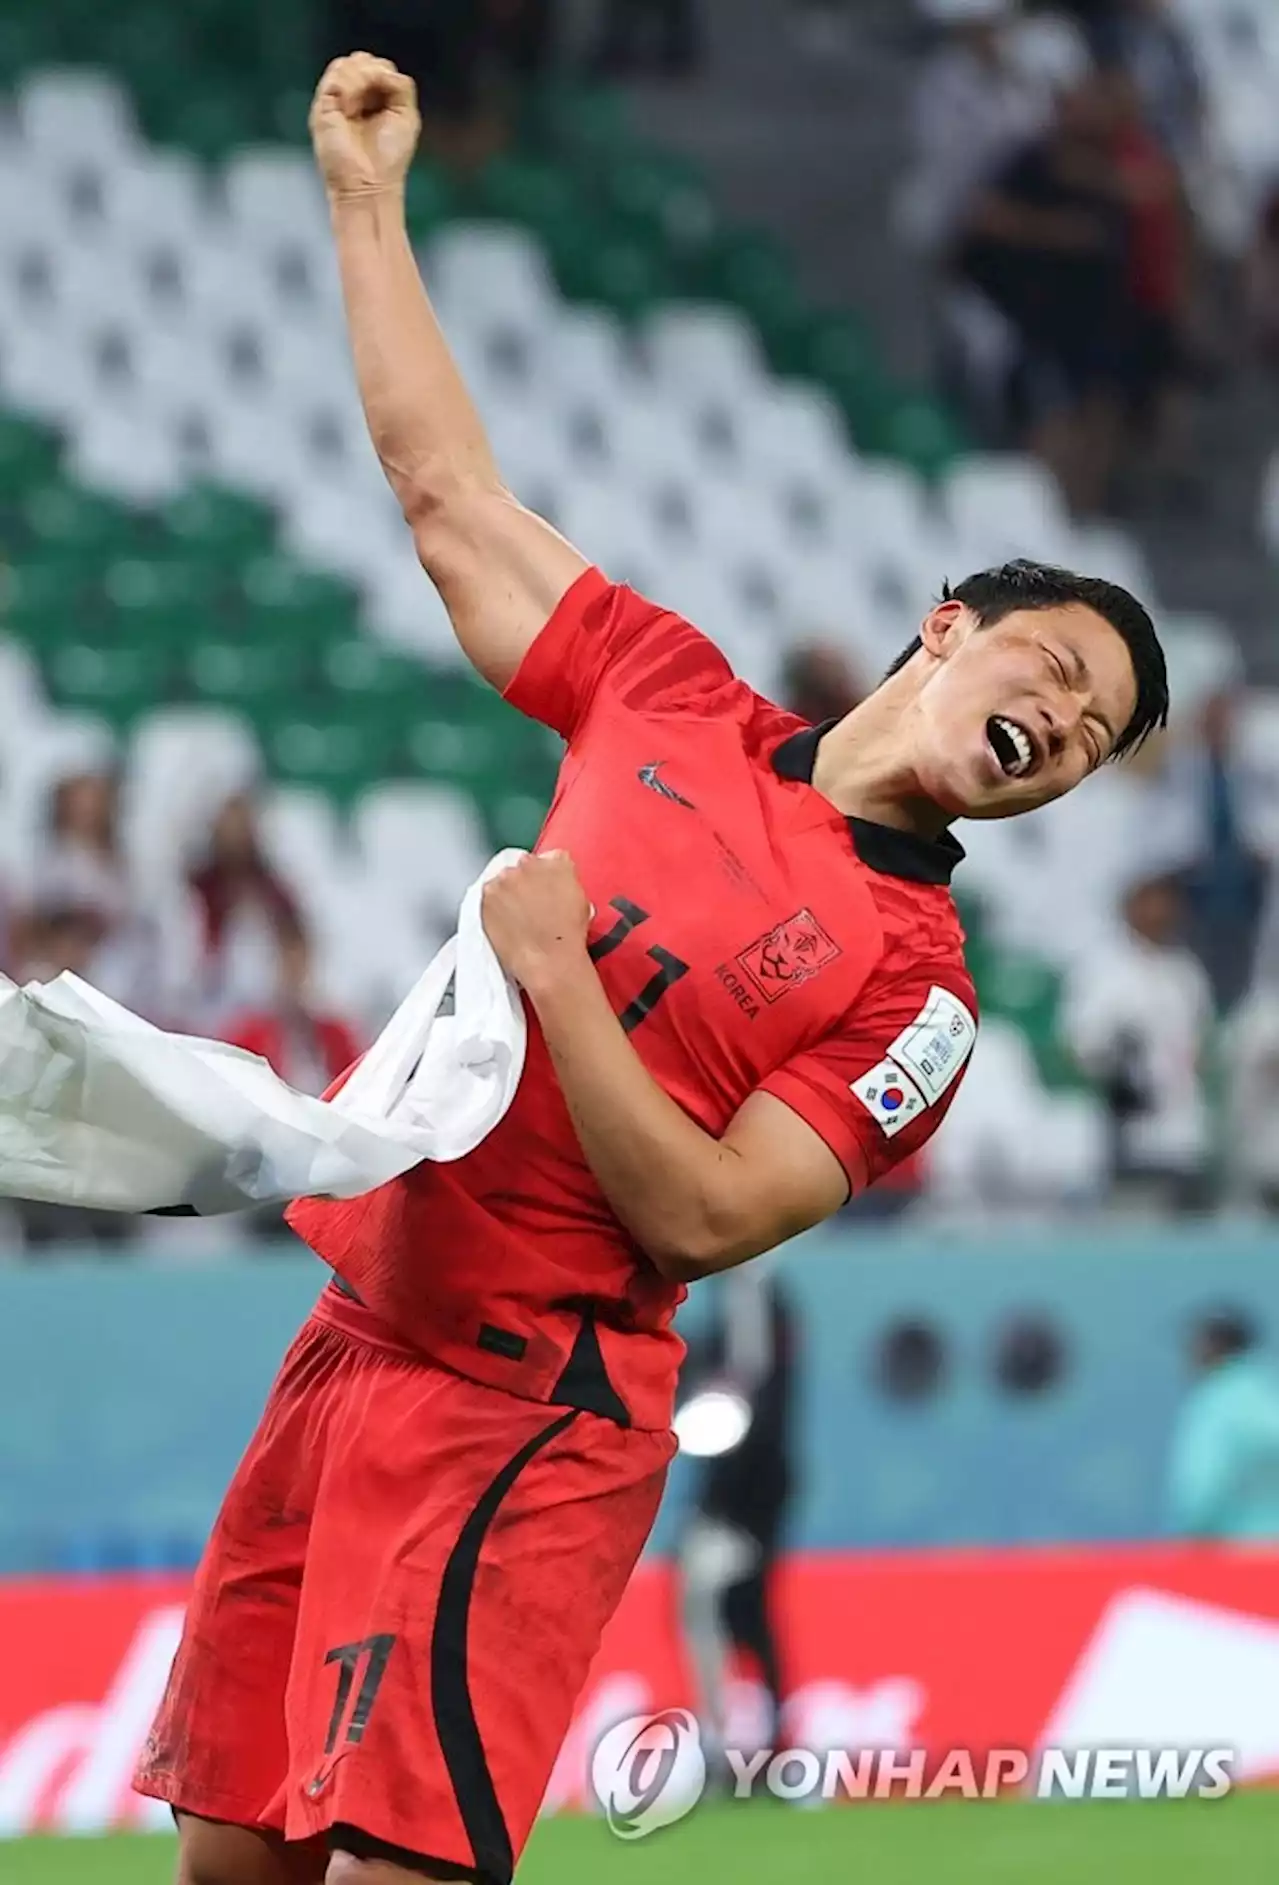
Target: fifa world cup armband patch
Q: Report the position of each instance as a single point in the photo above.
(920, 1064)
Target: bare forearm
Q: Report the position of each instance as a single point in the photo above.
(424, 425)
(669, 1182)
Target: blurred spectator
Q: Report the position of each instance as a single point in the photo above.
(1138, 1015)
(247, 917)
(60, 935)
(972, 108)
(1158, 264)
(1222, 1474)
(1049, 245)
(647, 36)
(306, 1046)
(1225, 884)
(1251, 1052)
(735, 1531)
(818, 683)
(1144, 38)
(81, 884)
(1262, 266)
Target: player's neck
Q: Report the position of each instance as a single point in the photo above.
(863, 769)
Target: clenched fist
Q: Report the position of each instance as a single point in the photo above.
(536, 915)
(364, 125)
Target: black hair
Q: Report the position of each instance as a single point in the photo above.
(1226, 1332)
(994, 593)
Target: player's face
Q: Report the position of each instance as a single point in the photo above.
(1016, 714)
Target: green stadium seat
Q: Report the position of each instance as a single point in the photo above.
(513, 818)
(208, 120)
(257, 674)
(592, 263)
(661, 197)
(29, 456)
(586, 125)
(363, 672)
(43, 602)
(222, 529)
(1026, 991)
(325, 752)
(525, 190)
(121, 681)
(921, 433)
(165, 603)
(27, 39)
(277, 599)
(842, 354)
(85, 530)
(429, 200)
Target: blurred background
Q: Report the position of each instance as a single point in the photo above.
(784, 312)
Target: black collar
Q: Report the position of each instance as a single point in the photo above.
(881, 847)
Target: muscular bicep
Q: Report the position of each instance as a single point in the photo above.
(500, 570)
(779, 1177)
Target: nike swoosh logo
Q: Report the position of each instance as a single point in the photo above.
(648, 775)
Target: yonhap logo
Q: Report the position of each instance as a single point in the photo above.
(649, 1771)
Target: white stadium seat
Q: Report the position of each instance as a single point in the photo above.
(999, 507)
(424, 841)
(155, 197)
(490, 274)
(123, 454)
(703, 352)
(66, 116)
(273, 194)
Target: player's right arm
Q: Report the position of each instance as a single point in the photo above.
(499, 569)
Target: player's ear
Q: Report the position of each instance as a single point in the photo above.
(945, 628)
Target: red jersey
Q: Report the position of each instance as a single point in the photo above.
(749, 936)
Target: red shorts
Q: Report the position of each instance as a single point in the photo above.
(399, 1603)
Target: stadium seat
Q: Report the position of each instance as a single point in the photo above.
(490, 274)
(998, 507)
(69, 116)
(152, 199)
(305, 840)
(703, 354)
(273, 195)
(121, 454)
(422, 842)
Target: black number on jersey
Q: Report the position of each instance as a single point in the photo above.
(670, 968)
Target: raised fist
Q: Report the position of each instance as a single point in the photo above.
(364, 125)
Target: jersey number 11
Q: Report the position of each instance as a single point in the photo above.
(670, 968)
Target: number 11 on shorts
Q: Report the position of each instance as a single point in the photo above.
(372, 1653)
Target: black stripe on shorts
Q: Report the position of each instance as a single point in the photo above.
(455, 1716)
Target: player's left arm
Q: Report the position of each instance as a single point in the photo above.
(693, 1202)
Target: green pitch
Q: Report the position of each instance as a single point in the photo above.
(947, 1843)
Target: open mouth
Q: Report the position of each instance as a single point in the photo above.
(1012, 746)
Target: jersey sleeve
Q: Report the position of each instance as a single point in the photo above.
(603, 637)
(878, 1089)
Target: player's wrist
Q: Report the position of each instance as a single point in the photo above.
(552, 979)
(360, 198)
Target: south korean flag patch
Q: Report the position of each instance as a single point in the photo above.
(890, 1096)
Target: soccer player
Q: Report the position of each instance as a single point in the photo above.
(747, 999)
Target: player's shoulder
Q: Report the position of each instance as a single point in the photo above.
(923, 942)
(660, 657)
